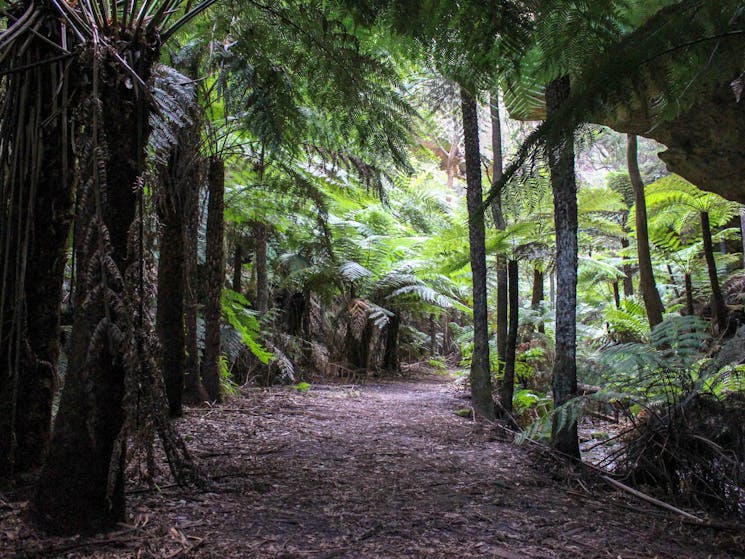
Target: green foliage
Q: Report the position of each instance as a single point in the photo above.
(243, 320)
(628, 322)
(301, 387)
(227, 386)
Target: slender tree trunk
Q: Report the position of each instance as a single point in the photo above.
(260, 265)
(194, 392)
(499, 223)
(742, 233)
(538, 295)
(647, 284)
(237, 267)
(432, 335)
(719, 309)
(81, 487)
(628, 281)
(215, 277)
(508, 382)
(616, 295)
(689, 294)
(564, 187)
(481, 384)
(170, 310)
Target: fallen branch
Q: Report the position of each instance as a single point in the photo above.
(652, 500)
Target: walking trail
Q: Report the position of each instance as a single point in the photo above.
(375, 470)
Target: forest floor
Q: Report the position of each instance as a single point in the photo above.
(381, 469)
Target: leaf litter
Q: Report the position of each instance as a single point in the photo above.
(379, 469)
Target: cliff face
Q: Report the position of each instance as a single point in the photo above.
(705, 143)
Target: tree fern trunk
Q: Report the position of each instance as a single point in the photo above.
(628, 281)
(508, 381)
(260, 265)
(718, 307)
(215, 277)
(31, 298)
(237, 266)
(647, 284)
(561, 164)
(538, 294)
(480, 377)
(81, 487)
(689, 294)
(194, 392)
(499, 223)
(170, 304)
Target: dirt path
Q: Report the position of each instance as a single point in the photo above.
(382, 470)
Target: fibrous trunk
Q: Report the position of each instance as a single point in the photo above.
(36, 202)
(480, 375)
(260, 265)
(564, 187)
(508, 382)
(215, 277)
(81, 487)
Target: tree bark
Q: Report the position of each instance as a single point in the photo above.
(499, 223)
(215, 277)
(538, 295)
(480, 375)
(742, 233)
(170, 304)
(194, 392)
(31, 297)
(689, 294)
(564, 187)
(647, 283)
(237, 266)
(81, 487)
(260, 265)
(390, 357)
(508, 382)
(718, 307)
(628, 281)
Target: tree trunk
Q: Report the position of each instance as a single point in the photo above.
(616, 295)
(538, 295)
(508, 381)
(628, 281)
(564, 187)
(237, 267)
(480, 376)
(31, 298)
(170, 309)
(718, 308)
(689, 294)
(215, 277)
(742, 233)
(81, 487)
(432, 335)
(390, 357)
(499, 223)
(194, 392)
(260, 265)
(647, 284)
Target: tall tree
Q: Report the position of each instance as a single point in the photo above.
(564, 187)
(480, 376)
(647, 284)
(499, 223)
(215, 277)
